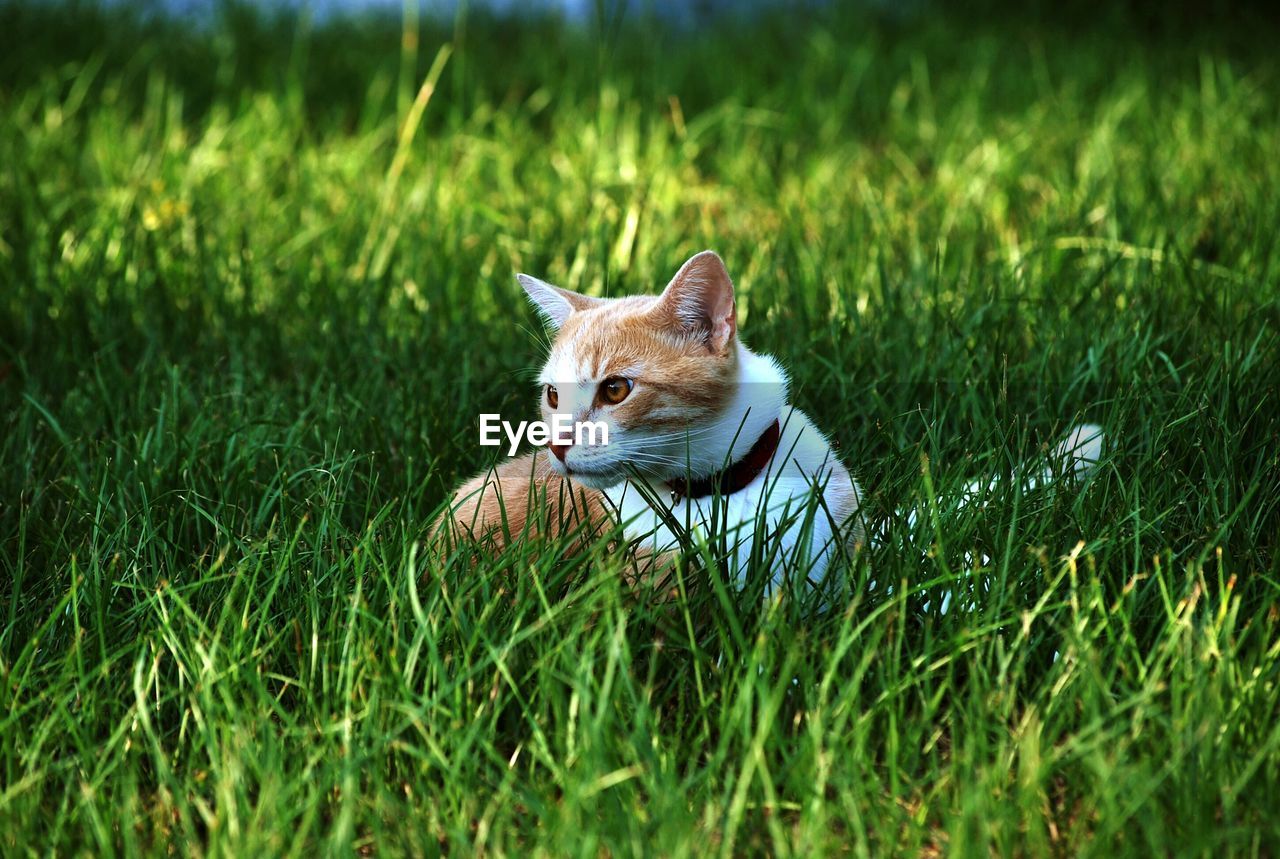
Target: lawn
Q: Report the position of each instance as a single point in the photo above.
(257, 286)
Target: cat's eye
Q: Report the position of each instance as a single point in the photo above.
(553, 396)
(614, 390)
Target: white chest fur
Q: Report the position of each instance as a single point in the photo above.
(791, 518)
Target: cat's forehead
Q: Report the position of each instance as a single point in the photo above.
(617, 338)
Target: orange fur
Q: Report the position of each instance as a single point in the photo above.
(525, 497)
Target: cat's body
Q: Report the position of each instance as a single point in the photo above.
(702, 438)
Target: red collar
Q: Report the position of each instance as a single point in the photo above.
(736, 476)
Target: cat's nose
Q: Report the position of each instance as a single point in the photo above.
(560, 450)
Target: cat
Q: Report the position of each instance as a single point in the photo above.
(701, 437)
(702, 440)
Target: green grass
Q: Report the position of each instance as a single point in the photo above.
(249, 317)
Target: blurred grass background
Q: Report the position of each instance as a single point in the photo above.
(256, 284)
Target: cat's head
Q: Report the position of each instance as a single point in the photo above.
(659, 372)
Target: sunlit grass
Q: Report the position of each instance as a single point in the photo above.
(256, 286)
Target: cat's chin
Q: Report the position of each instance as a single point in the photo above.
(589, 479)
(596, 480)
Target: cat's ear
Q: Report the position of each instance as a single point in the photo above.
(699, 301)
(555, 304)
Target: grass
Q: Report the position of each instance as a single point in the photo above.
(256, 287)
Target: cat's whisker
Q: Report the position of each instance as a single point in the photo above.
(651, 459)
(658, 460)
(677, 435)
(645, 449)
(689, 433)
(654, 461)
(655, 465)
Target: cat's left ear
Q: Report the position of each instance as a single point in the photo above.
(555, 304)
(699, 301)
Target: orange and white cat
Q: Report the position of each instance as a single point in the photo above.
(701, 437)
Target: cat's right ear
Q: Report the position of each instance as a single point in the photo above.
(555, 304)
